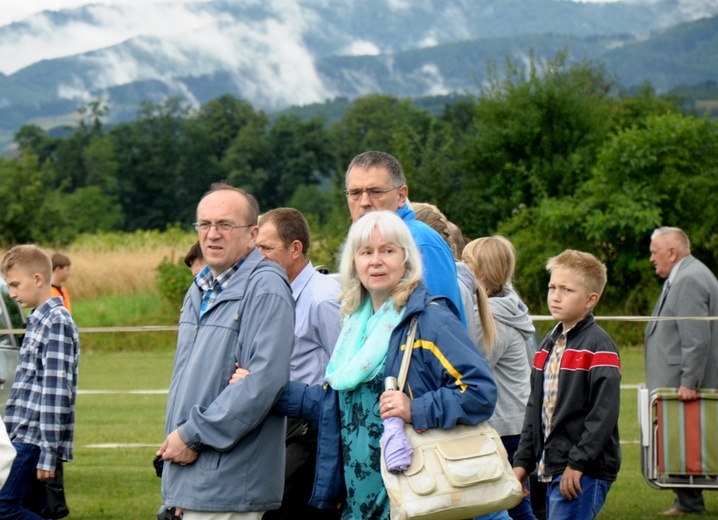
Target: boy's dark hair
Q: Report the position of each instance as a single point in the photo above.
(30, 258)
(60, 260)
(290, 225)
(194, 253)
(590, 270)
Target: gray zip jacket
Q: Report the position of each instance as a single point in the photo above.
(241, 446)
(510, 360)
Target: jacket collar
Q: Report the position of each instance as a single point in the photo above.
(237, 285)
(558, 329)
(421, 297)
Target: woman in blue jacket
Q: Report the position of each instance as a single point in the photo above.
(449, 381)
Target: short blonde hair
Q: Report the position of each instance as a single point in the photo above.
(590, 270)
(394, 230)
(30, 258)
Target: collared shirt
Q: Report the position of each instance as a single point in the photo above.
(664, 292)
(674, 271)
(41, 406)
(316, 325)
(212, 287)
(550, 390)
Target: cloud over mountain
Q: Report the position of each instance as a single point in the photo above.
(277, 53)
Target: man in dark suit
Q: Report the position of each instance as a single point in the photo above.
(682, 354)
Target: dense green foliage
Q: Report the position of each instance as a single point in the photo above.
(551, 154)
(173, 279)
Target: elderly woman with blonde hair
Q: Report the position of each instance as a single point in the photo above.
(449, 381)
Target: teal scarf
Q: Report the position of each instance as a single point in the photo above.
(362, 345)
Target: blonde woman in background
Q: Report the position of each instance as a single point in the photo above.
(492, 260)
(479, 320)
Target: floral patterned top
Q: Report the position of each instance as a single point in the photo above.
(361, 430)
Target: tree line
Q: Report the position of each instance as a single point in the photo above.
(551, 154)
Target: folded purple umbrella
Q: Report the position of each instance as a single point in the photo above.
(397, 450)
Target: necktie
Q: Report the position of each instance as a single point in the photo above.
(664, 292)
(659, 305)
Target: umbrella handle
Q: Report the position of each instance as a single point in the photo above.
(390, 383)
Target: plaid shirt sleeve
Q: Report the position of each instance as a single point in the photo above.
(58, 387)
(41, 406)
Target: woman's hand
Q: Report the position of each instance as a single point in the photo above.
(393, 403)
(240, 373)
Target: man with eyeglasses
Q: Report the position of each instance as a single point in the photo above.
(375, 181)
(284, 238)
(223, 448)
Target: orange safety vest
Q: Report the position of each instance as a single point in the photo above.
(62, 292)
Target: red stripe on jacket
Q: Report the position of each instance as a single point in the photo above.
(580, 360)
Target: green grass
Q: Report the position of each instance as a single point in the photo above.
(119, 483)
(138, 310)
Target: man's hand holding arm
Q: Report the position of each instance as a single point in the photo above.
(175, 450)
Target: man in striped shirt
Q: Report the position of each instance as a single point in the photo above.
(40, 412)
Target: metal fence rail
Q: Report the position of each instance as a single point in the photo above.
(174, 328)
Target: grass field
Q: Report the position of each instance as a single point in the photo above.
(113, 483)
(108, 482)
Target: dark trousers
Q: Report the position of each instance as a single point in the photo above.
(19, 499)
(299, 476)
(523, 510)
(689, 500)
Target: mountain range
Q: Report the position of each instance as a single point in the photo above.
(282, 53)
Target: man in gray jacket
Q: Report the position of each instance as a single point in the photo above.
(224, 452)
(682, 354)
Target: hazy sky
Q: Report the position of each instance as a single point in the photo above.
(42, 39)
(12, 10)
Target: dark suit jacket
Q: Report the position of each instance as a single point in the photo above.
(685, 352)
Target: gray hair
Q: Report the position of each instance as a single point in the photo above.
(375, 159)
(394, 230)
(680, 236)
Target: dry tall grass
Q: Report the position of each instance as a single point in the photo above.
(120, 263)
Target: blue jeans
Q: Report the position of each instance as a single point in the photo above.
(20, 484)
(586, 506)
(522, 511)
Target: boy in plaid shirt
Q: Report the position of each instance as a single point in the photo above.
(570, 432)
(40, 412)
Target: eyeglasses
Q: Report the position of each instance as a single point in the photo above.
(223, 228)
(374, 193)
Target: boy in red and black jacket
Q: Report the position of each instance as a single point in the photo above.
(570, 433)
